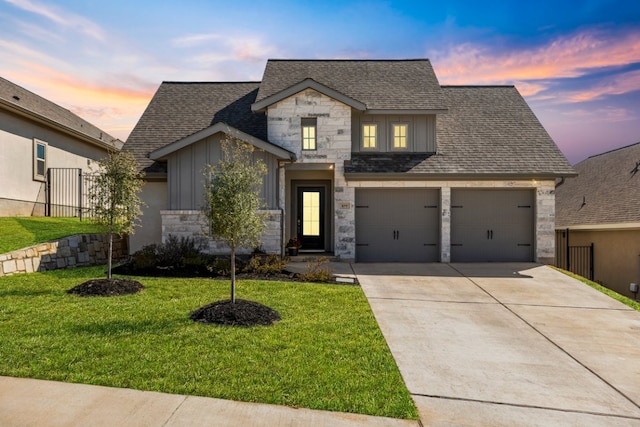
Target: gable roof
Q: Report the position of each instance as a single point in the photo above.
(605, 193)
(221, 127)
(488, 131)
(25, 103)
(382, 85)
(180, 109)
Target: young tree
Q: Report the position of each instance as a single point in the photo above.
(232, 199)
(115, 197)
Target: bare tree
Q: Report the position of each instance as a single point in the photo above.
(232, 199)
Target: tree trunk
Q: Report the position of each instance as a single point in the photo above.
(109, 255)
(233, 275)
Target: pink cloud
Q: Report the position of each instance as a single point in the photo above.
(617, 85)
(567, 57)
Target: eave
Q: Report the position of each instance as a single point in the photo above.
(28, 114)
(162, 153)
(303, 85)
(384, 176)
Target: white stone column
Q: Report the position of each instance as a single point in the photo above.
(445, 224)
(546, 222)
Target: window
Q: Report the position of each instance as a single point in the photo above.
(309, 134)
(369, 132)
(39, 160)
(400, 136)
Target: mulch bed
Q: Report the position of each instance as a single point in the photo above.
(242, 313)
(106, 287)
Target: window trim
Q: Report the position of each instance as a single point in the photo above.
(375, 137)
(393, 136)
(311, 122)
(36, 160)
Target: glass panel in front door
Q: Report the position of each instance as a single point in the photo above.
(311, 213)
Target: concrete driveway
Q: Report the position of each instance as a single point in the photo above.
(507, 344)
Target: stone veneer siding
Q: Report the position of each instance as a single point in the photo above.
(334, 147)
(69, 252)
(192, 224)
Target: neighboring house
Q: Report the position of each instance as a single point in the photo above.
(369, 160)
(36, 137)
(602, 206)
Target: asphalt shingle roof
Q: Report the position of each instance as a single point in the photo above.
(488, 130)
(379, 84)
(179, 109)
(21, 99)
(606, 190)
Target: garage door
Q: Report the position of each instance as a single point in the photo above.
(492, 225)
(397, 225)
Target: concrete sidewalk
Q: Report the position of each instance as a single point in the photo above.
(27, 402)
(507, 344)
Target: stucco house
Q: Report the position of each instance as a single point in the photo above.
(369, 160)
(38, 136)
(602, 206)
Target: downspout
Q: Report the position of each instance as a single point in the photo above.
(562, 179)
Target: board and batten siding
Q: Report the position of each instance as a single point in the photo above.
(186, 178)
(421, 138)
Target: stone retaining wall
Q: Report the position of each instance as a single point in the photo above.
(69, 252)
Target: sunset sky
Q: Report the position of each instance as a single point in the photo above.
(576, 62)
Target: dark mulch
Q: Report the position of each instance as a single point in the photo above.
(106, 287)
(242, 313)
(199, 271)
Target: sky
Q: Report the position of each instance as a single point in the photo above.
(577, 63)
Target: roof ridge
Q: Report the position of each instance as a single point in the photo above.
(209, 82)
(475, 86)
(348, 60)
(615, 149)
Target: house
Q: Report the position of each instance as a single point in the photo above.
(602, 207)
(369, 160)
(42, 143)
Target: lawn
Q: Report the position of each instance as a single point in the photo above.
(20, 232)
(327, 352)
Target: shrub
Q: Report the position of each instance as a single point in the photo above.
(220, 267)
(318, 271)
(175, 251)
(145, 258)
(269, 265)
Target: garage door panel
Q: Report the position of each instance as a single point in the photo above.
(397, 225)
(492, 225)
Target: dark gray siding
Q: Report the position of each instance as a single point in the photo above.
(421, 138)
(186, 168)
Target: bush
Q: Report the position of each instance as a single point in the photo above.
(146, 258)
(220, 267)
(318, 271)
(268, 265)
(174, 252)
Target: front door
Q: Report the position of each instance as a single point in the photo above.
(310, 221)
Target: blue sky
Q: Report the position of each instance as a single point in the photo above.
(576, 62)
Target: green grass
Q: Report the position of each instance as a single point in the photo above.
(20, 232)
(327, 352)
(613, 294)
